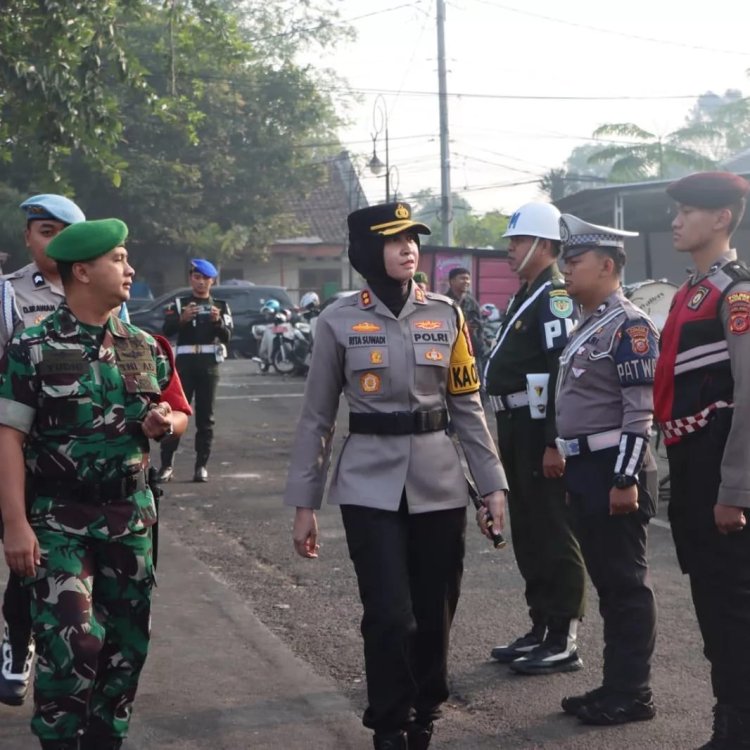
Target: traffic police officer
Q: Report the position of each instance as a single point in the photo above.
(203, 326)
(403, 359)
(702, 405)
(604, 408)
(524, 360)
(79, 400)
(27, 296)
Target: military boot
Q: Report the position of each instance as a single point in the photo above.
(166, 471)
(68, 744)
(557, 653)
(201, 474)
(521, 646)
(15, 670)
(731, 730)
(99, 742)
(389, 741)
(418, 735)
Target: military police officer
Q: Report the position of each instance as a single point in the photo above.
(604, 410)
(79, 400)
(203, 326)
(27, 296)
(403, 360)
(702, 405)
(520, 378)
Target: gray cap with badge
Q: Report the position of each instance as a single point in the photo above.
(578, 237)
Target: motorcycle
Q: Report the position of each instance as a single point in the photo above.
(283, 345)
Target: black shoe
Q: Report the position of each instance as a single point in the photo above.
(418, 735)
(15, 671)
(389, 741)
(69, 744)
(618, 708)
(98, 742)
(201, 474)
(520, 647)
(165, 474)
(572, 703)
(731, 730)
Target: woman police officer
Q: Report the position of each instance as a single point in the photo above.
(403, 359)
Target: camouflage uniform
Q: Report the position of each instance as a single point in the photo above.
(80, 394)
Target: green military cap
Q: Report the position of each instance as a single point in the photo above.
(87, 240)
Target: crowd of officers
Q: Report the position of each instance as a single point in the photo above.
(576, 379)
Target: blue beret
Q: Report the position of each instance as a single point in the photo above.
(709, 189)
(201, 265)
(50, 206)
(87, 240)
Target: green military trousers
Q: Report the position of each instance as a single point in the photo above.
(91, 612)
(545, 547)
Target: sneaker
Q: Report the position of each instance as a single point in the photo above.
(15, 671)
(572, 703)
(201, 474)
(548, 659)
(520, 647)
(618, 708)
(165, 474)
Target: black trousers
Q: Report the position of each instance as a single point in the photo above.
(547, 552)
(17, 612)
(718, 565)
(409, 570)
(614, 549)
(200, 379)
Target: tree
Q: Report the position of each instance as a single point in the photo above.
(650, 156)
(719, 125)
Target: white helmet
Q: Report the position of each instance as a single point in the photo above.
(309, 300)
(535, 220)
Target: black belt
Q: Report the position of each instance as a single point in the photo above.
(94, 493)
(399, 422)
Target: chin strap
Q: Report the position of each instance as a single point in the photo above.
(528, 255)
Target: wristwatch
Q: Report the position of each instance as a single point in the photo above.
(623, 481)
(170, 431)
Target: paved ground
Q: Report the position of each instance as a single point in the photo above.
(256, 648)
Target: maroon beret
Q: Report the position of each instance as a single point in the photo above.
(709, 189)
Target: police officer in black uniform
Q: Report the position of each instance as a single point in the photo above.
(203, 326)
(604, 409)
(524, 359)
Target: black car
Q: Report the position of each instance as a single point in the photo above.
(244, 302)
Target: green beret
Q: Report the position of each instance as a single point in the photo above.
(87, 240)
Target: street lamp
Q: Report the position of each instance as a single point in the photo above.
(380, 125)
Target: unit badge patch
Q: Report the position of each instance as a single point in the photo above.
(698, 296)
(376, 357)
(370, 382)
(561, 307)
(739, 312)
(638, 339)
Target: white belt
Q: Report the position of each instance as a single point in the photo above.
(511, 401)
(588, 443)
(196, 349)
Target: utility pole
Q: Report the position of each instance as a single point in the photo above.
(446, 203)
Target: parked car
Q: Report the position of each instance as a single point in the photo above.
(244, 301)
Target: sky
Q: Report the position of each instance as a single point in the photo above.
(528, 81)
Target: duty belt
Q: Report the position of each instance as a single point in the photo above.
(580, 446)
(688, 425)
(398, 422)
(196, 349)
(94, 493)
(509, 401)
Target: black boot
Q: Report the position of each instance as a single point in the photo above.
(100, 742)
(418, 735)
(15, 670)
(521, 646)
(557, 653)
(69, 744)
(731, 729)
(389, 741)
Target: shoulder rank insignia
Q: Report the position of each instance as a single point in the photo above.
(419, 296)
(365, 298)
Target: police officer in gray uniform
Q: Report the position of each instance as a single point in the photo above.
(27, 296)
(604, 411)
(403, 359)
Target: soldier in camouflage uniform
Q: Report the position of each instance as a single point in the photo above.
(79, 400)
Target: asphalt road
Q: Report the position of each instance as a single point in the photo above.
(236, 526)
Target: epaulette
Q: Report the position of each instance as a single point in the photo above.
(441, 298)
(737, 271)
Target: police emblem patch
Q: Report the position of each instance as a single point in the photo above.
(376, 357)
(370, 382)
(739, 312)
(697, 299)
(366, 327)
(638, 339)
(434, 355)
(561, 307)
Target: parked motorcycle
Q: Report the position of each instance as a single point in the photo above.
(283, 345)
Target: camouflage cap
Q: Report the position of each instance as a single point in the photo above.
(87, 240)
